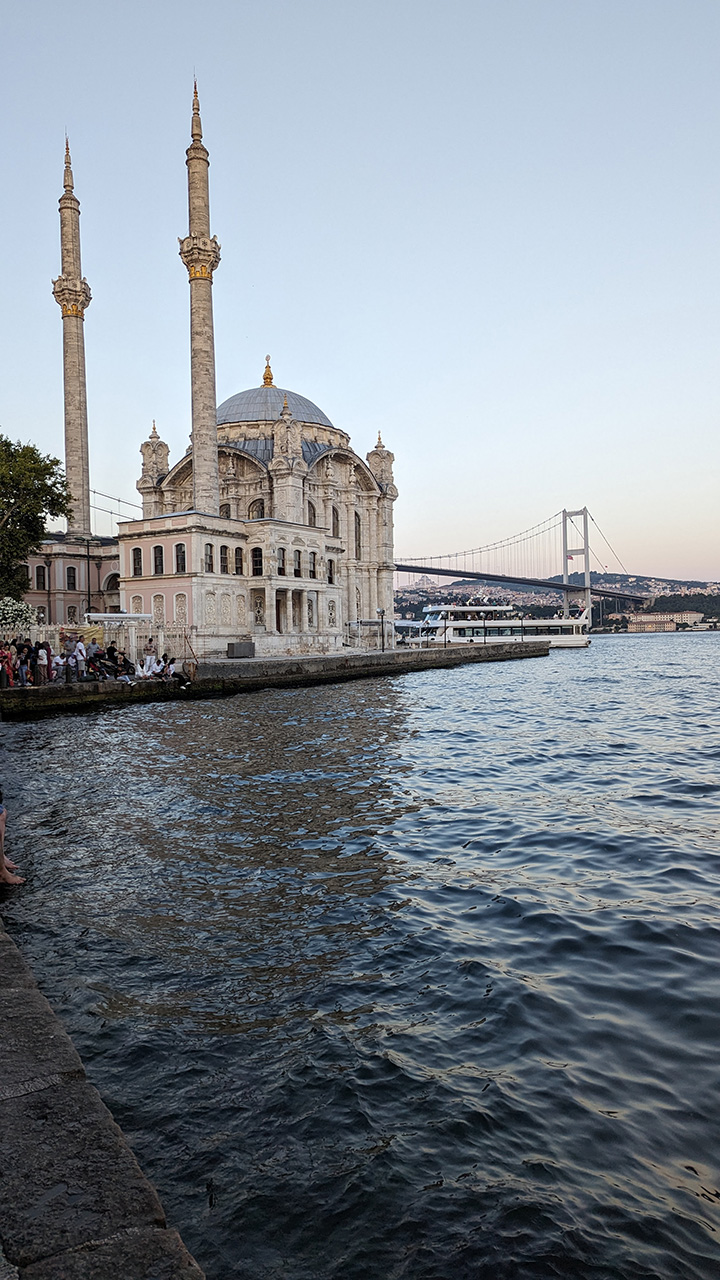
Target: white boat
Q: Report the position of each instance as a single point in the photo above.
(486, 623)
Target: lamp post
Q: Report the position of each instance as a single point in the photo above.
(48, 567)
(444, 618)
(87, 550)
(381, 615)
(98, 566)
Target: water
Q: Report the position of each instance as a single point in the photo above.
(411, 977)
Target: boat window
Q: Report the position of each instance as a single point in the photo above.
(459, 631)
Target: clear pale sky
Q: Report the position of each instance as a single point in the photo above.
(487, 228)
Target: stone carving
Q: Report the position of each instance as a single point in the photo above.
(181, 615)
(136, 604)
(332, 614)
(225, 610)
(241, 612)
(311, 611)
(259, 608)
(210, 609)
(158, 610)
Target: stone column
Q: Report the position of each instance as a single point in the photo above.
(201, 254)
(72, 293)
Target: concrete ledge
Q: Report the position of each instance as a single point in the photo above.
(225, 678)
(75, 1204)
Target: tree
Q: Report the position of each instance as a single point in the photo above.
(32, 487)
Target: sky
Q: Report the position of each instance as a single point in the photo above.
(488, 229)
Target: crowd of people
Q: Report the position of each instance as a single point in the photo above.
(24, 664)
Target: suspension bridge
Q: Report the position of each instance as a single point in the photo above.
(545, 557)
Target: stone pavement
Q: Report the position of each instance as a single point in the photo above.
(74, 1204)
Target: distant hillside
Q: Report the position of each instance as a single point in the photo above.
(700, 601)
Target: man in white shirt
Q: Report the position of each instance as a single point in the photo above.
(80, 654)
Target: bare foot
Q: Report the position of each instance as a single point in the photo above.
(11, 866)
(7, 878)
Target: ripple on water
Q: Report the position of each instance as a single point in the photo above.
(407, 978)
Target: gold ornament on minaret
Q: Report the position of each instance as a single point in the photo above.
(268, 374)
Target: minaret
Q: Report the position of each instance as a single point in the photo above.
(201, 255)
(72, 292)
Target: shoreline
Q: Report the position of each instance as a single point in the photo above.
(76, 1204)
(225, 678)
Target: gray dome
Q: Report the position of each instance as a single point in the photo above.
(265, 404)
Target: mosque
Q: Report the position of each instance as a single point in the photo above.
(269, 531)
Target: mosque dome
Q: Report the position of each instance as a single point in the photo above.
(265, 404)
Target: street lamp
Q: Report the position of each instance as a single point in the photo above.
(381, 615)
(444, 618)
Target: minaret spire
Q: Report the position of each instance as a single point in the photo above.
(201, 254)
(72, 293)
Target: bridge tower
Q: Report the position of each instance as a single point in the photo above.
(570, 552)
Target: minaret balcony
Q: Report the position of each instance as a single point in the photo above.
(201, 256)
(72, 296)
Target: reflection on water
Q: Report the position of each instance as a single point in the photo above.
(413, 977)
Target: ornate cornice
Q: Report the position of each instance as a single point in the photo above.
(72, 296)
(200, 255)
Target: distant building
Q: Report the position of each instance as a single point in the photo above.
(663, 621)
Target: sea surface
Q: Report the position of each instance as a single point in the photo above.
(411, 977)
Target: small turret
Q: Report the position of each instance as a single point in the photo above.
(380, 461)
(155, 456)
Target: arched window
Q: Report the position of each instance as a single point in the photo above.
(72, 614)
(282, 568)
(40, 577)
(209, 557)
(297, 564)
(238, 560)
(312, 565)
(71, 579)
(335, 523)
(257, 509)
(158, 560)
(225, 510)
(257, 565)
(331, 571)
(180, 561)
(137, 562)
(224, 566)
(312, 515)
(358, 536)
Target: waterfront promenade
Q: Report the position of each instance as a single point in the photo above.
(224, 678)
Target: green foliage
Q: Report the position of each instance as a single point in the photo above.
(32, 487)
(699, 603)
(16, 617)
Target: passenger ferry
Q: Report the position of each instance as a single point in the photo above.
(485, 623)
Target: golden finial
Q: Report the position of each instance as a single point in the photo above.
(153, 433)
(285, 403)
(379, 444)
(268, 376)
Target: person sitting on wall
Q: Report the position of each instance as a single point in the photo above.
(174, 674)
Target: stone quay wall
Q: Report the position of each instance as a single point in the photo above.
(225, 678)
(75, 1205)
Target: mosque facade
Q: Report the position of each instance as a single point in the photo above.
(270, 531)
